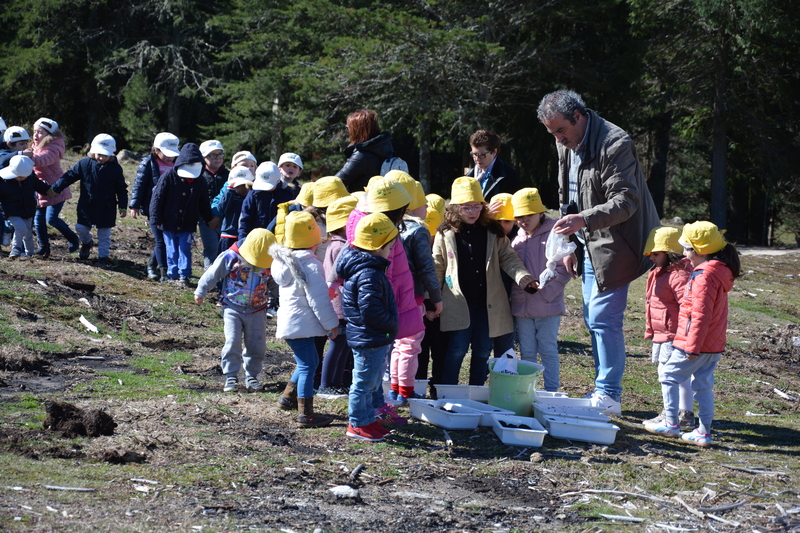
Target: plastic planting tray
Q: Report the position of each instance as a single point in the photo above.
(541, 410)
(581, 430)
(564, 401)
(479, 393)
(518, 436)
(486, 410)
(456, 416)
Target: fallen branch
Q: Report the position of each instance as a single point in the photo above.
(673, 528)
(91, 327)
(92, 357)
(622, 518)
(617, 493)
(142, 480)
(722, 520)
(356, 472)
(723, 508)
(785, 396)
(689, 508)
(447, 439)
(74, 489)
(755, 470)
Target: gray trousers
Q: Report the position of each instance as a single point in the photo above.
(247, 328)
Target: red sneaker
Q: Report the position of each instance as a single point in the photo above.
(381, 429)
(368, 432)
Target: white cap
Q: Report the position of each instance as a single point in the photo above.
(289, 157)
(18, 166)
(209, 146)
(267, 176)
(103, 144)
(192, 170)
(240, 176)
(16, 133)
(47, 124)
(167, 143)
(238, 157)
(2, 125)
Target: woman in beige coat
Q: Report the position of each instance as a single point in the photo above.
(469, 251)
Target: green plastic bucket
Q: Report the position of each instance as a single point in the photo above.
(514, 392)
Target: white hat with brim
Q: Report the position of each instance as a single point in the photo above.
(289, 157)
(167, 143)
(210, 146)
(47, 124)
(103, 144)
(267, 177)
(192, 170)
(19, 166)
(15, 134)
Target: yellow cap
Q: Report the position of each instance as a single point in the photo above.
(527, 202)
(704, 237)
(374, 231)
(255, 248)
(338, 212)
(358, 195)
(465, 190)
(385, 195)
(412, 187)
(372, 180)
(433, 219)
(506, 210)
(306, 195)
(326, 190)
(663, 239)
(436, 203)
(301, 230)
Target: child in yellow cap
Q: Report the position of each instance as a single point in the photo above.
(244, 302)
(700, 338)
(371, 314)
(469, 252)
(305, 312)
(666, 285)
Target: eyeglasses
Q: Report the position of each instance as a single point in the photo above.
(471, 208)
(215, 156)
(481, 156)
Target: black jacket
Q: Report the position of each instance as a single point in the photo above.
(103, 191)
(146, 179)
(178, 203)
(503, 178)
(367, 299)
(364, 160)
(215, 182)
(18, 198)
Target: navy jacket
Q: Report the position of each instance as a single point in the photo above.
(215, 182)
(178, 203)
(260, 207)
(367, 299)
(146, 178)
(502, 179)
(230, 207)
(18, 198)
(364, 160)
(103, 191)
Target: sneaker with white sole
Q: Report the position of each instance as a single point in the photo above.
(665, 429)
(685, 419)
(695, 437)
(230, 383)
(331, 393)
(611, 407)
(252, 384)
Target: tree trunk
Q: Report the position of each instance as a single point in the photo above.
(174, 110)
(425, 154)
(657, 176)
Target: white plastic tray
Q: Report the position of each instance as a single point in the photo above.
(519, 437)
(429, 411)
(543, 394)
(541, 410)
(479, 393)
(486, 410)
(564, 401)
(581, 430)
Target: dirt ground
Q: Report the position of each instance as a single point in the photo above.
(235, 461)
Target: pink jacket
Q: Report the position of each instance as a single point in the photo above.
(399, 274)
(550, 300)
(47, 166)
(704, 309)
(335, 247)
(663, 295)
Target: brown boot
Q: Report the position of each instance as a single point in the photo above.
(288, 399)
(307, 418)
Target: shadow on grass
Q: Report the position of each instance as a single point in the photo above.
(578, 348)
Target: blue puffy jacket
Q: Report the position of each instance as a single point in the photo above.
(146, 178)
(367, 299)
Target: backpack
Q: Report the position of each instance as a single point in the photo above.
(393, 163)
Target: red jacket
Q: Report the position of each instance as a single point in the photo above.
(663, 295)
(704, 309)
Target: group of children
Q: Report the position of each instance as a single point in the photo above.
(378, 275)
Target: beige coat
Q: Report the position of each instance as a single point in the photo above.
(499, 254)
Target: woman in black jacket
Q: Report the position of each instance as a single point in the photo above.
(367, 151)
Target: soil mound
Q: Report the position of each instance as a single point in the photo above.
(73, 421)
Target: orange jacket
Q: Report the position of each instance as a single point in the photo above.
(704, 309)
(663, 295)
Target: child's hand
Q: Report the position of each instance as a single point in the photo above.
(333, 333)
(199, 300)
(134, 212)
(214, 223)
(691, 356)
(122, 213)
(51, 193)
(532, 287)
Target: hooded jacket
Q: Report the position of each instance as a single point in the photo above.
(18, 198)
(663, 295)
(704, 309)
(228, 204)
(305, 309)
(259, 208)
(47, 166)
(548, 301)
(367, 299)
(364, 160)
(417, 243)
(178, 203)
(103, 191)
(615, 202)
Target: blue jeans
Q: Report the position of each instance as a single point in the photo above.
(539, 335)
(210, 240)
(306, 357)
(49, 215)
(159, 249)
(476, 334)
(603, 313)
(103, 238)
(367, 376)
(701, 372)
(179, 254)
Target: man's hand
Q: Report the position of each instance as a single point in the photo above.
(569, 224)
(571, 264)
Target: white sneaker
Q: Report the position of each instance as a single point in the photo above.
(611, 406)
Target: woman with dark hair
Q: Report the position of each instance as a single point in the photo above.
(469, 251)
(367, 151)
